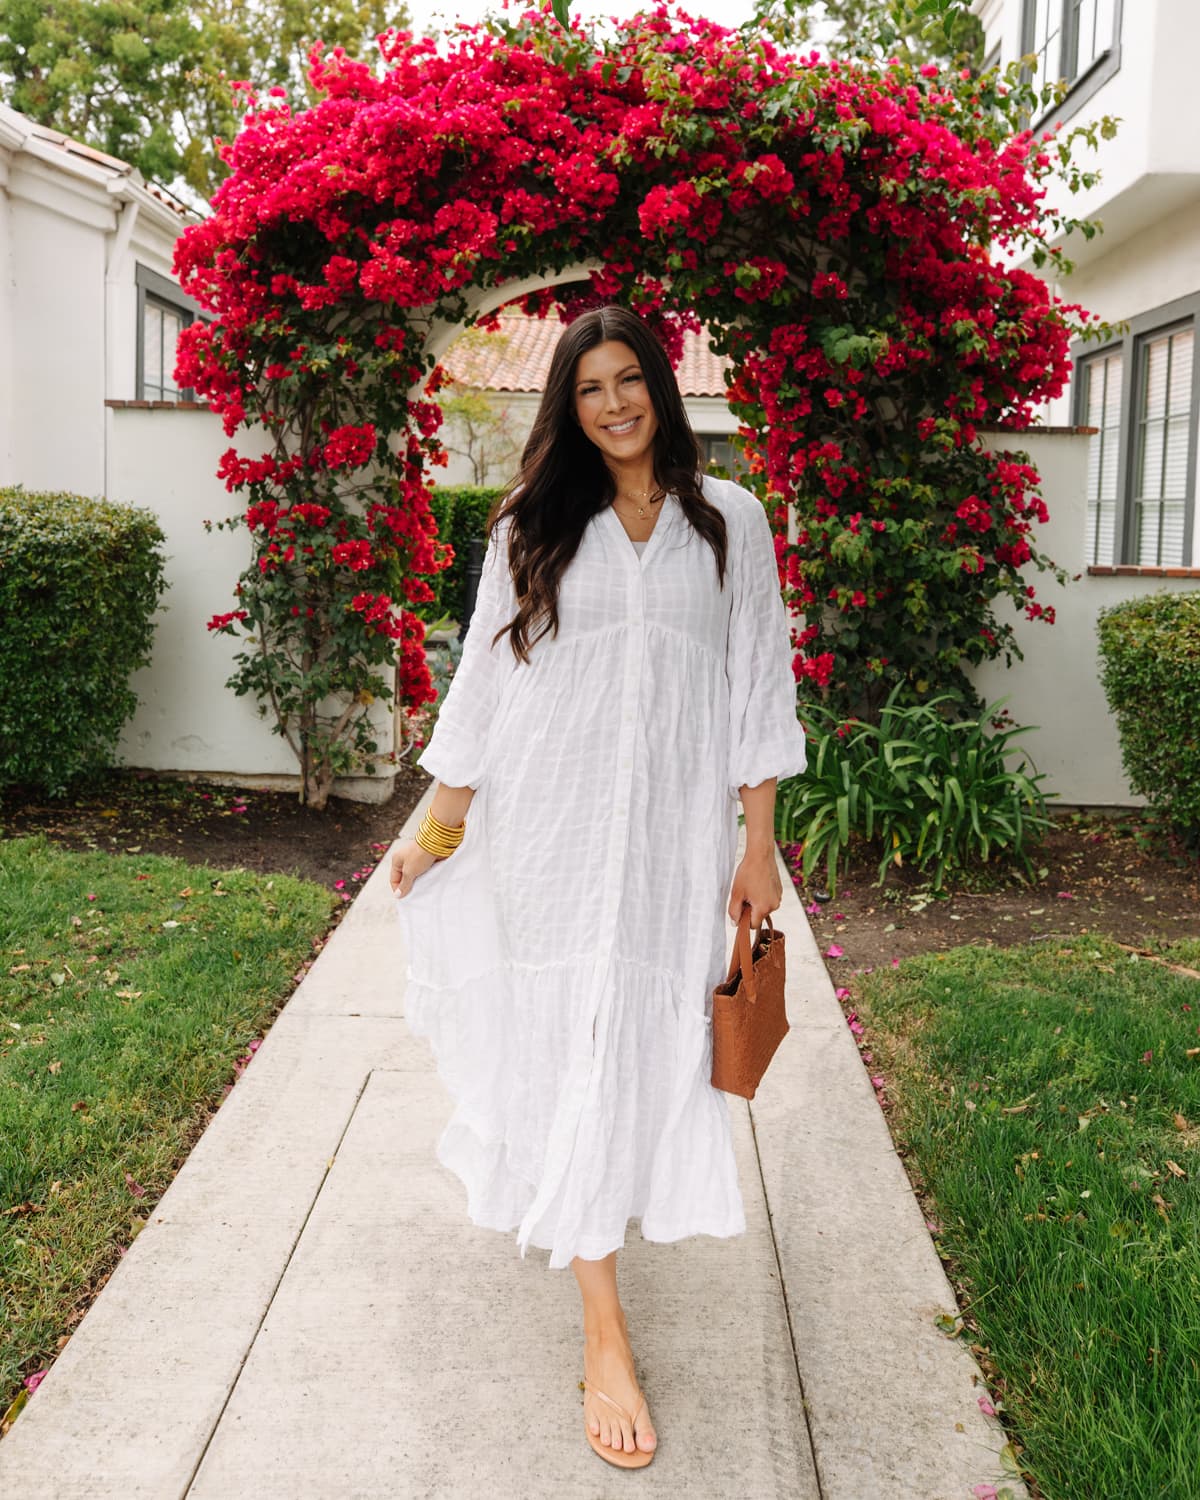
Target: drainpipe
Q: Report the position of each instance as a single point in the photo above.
(114, 276)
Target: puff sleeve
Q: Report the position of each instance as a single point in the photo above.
(456, 750)
(765, 736)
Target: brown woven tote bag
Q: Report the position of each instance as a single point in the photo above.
(749, 1015)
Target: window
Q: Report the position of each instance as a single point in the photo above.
(1101, 377)
(163, 311)
(1075, 40)
(1043, 20)
(161, 327)
(1088, 34)
(1161, 470)
(1142, 396)
(718, 449)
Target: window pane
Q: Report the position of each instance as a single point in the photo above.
(1102, 409)
(152, 353)
(172, 326)
(1047, 28)
(1163, 485)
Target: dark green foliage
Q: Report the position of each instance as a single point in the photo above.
(920, 788)
(461, 512)
(1150, 655)
(80, 581)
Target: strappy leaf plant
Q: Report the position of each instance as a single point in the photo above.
(920, 788)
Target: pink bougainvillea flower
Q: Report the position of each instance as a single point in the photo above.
(842, 993)
(833, 951)
(346, 229)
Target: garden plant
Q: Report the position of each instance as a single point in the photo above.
(1150, 667)
(837, 226)
(927, 786)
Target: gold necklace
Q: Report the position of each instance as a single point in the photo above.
(645, 495)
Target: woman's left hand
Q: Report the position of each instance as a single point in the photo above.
(756, 881)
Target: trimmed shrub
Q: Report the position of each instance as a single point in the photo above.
(1150, 668)
(461, 512)
(918, 788)
(80, 581)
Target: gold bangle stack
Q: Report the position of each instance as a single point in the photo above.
(439, 839)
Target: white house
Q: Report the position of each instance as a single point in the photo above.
(89, 309)
(1126, 525)
(89, 316)
(1134, 61)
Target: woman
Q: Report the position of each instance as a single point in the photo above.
(562, 958)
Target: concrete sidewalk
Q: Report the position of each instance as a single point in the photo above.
(309, 1314)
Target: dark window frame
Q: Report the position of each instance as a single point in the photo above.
(1093, 78)
(1156, 323)
(161, 291)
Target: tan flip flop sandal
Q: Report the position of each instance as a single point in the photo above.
(639, 1458)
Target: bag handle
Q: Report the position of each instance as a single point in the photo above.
(743, 951)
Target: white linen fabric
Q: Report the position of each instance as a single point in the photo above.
(561, 961)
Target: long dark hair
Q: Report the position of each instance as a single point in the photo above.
(563, 480)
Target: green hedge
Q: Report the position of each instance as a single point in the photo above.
(461, 512)
(1150, 651)
(80, 581)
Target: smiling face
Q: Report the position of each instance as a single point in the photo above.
(612, 403)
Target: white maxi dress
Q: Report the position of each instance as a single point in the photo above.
(561, 961)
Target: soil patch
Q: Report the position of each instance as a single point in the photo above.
(1115, 877)
(136, 812)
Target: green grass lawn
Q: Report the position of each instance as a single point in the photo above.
(1049, 1107)
(130, 987)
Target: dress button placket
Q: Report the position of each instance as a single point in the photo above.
(593, 1025)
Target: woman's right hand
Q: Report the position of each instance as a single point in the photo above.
(409, 862)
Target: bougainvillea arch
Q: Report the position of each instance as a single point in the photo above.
(837, 228)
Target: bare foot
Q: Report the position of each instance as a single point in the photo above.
(608, 1364)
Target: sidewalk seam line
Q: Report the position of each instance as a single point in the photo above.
(787, 1309)
(316, 1198)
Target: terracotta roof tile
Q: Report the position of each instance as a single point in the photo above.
(518, 358)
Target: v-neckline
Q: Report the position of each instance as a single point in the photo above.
(667, 513)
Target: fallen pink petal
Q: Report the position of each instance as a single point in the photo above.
(895, 963)
(986, 1407)
(833, 951)
(842, 993)
(33, 1381)
(1066, 895)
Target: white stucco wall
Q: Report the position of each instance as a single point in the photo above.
(187, 719)
(1057, 687)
